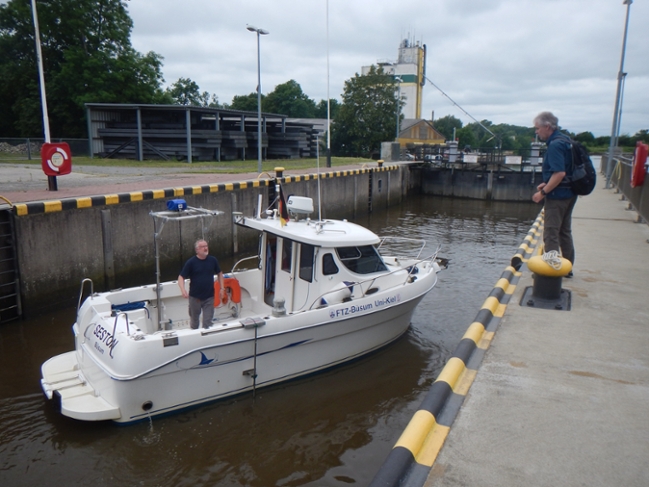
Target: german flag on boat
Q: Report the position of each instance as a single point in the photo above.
(283, 210)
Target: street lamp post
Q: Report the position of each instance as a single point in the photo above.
(260, 32)
(616, 112)
(398, 80)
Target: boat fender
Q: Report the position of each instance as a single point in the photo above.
(233, 291)
(638, 169)
(340, 293)
(350, 286)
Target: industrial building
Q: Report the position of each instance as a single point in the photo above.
(410, 73)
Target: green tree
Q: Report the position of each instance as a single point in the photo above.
(445, 125)
(289, 99)
(367, 114)
(478, 134)
(642, 135)
(466, 137)
(321, 108)
(87, 57)
(186, 92)
(625, 140)
(246, 102)
(586, 138)
(603, 140)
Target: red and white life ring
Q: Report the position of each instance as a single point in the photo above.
(638, 170)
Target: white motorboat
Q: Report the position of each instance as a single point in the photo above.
(318, 294)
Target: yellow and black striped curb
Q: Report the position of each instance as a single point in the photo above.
(416, 450)
(529, 243)
(50, 206)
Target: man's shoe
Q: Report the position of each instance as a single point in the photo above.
(569, 275)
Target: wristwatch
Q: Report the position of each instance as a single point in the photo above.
(544, 193)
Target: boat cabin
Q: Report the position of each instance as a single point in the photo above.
(308, 263)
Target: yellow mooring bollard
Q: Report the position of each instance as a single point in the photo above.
(547, 293)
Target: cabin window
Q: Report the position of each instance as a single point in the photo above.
(329, 266)
(287, 255)
(361, 260)
(306, 262)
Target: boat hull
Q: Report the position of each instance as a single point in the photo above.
(224, 367)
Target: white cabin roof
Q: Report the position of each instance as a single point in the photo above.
(326, 233)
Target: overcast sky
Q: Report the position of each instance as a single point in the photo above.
(500, 60)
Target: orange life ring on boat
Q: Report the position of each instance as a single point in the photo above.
(233, 291)
(638, 170)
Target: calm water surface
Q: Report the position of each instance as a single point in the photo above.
(330, 429)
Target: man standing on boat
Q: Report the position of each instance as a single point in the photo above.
(555, 189)
(201, 269)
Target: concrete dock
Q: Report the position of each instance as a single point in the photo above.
(562, 397)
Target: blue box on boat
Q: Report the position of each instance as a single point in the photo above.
(176, 205)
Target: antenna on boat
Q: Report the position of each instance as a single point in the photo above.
(328, 126)
(328, 101)
(317, 151)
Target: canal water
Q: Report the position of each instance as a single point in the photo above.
(330, 429)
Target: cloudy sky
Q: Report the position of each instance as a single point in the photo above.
(500, 60)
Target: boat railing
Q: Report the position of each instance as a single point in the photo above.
(234, 267)
(117, 315)
(92, 291)
(412, 268)
(368, 286)
(128, 331)
(402, 246)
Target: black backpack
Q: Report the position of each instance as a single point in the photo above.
(584, 177)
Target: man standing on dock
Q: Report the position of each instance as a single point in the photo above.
(555, 189)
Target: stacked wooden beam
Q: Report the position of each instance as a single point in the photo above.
(160, 143)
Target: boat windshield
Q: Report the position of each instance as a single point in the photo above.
(361, 260)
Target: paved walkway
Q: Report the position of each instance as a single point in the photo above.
(21, 183)
(562, 397)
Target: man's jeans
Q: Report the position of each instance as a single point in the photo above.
(195, 308)
(557, 227)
